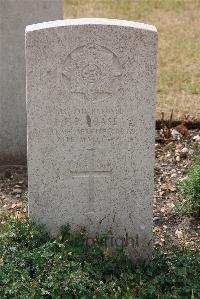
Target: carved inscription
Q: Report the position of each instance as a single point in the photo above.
(92, 71)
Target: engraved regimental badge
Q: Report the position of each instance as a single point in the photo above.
(92, 71)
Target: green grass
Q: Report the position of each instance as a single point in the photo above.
(190, 189)
(34, 266)
(178, 23)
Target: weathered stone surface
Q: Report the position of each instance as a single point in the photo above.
(90, 105)
(15, 15)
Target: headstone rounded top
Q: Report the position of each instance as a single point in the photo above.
(90, 109)
(91, 21)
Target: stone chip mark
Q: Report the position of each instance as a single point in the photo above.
(88, 119)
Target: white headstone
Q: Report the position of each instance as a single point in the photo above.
(90, 105)
(15, 15)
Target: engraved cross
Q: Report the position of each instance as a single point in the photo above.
(91, 173)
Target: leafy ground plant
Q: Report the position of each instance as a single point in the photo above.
(190, 189)
(35, 266)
